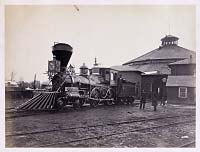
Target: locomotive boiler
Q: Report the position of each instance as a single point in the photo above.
(91, 86)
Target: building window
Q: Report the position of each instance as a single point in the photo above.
(112, 76)
(182, 93)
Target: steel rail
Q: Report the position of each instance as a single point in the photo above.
(113, 134)
(186, 145)
(25, 113)
(92, 126)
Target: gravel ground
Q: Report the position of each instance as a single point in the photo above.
(171, 136)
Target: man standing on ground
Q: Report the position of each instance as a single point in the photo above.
(142, 101)
(154, 101)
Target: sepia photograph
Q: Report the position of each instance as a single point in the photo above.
(100, 76)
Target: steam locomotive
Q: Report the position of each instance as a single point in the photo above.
(95, 86)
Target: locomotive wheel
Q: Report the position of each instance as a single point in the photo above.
(109, 102)
(110, 95)
(117, 101)
(132, 100)
(94, 103)
(77, 104)
(96, 95)
(127, 100)
(103, 92)
(82, 101)
(59, 104)
(123, 101)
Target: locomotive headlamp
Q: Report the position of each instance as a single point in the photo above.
(54, 66)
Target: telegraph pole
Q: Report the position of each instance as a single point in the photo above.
(12, 76)
(34, 82)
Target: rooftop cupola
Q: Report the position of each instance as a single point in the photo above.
(169, 40)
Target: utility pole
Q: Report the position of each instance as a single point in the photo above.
(34, 82)
(12, 76)
(95, 62)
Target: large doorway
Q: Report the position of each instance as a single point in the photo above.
(153, 84)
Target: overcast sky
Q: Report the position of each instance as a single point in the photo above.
(114, 34)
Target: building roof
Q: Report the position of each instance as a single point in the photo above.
(160, 68)
(181, 81)
(144, 68)
(125, 68)
(165, 52)
(185, 61)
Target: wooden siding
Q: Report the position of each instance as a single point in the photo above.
(173, 96)
(183, 69)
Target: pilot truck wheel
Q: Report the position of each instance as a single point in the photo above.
(77, 104)
(59, 104)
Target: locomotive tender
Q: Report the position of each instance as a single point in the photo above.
(96, 86)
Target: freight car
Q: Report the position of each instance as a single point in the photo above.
(93, 86)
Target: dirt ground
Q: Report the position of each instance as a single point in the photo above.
(93, 122)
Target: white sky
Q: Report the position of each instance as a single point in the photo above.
(114, 34)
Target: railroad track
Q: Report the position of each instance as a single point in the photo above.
(189, 144)
(16, 114)
(112, 134)
(12, 113)
(9, 108)
(92, 126)
(100, 125)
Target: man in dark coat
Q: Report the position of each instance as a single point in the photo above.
(154, 101)
(142, 101)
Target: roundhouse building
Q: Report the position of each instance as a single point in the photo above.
(155, 65)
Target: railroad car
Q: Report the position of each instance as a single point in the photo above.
(91, 86)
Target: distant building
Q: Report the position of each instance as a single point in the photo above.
(9, 83)
(181, 84)
(12, 90)
(155, 65)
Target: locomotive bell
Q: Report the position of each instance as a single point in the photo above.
(62, 53)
